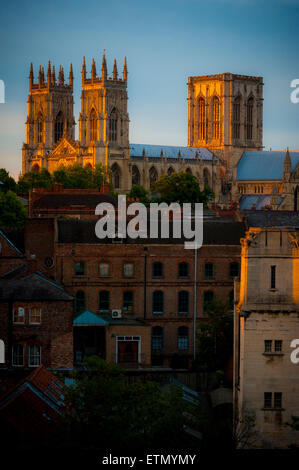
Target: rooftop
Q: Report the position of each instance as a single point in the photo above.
(169, 151)
(263, 165)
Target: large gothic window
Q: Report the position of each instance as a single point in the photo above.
(201, 119)
(249, 119)
(170, 171)
(115, 176)
(236, 118)
(40, 129)
(135, 175)
(113, 126)
(153, 175)
(216, 118)
(58, 126)
(93, 125)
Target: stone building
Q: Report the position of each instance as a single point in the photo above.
(266, 379)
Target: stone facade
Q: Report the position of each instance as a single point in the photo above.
(266, 322)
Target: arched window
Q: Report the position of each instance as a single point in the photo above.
(40, 129)
(158, 302)
(236, 117)
(249, 119)
(104, 301)
(206, 177)
(189, 171)
(157, 338)
(170, 171)
(93, 125)
(58, 126)
(201, 119)
(153, 175)
(135, 175)
(157, 269)
(183, 301)
(183, 337)
(35, 168)
(209, 270)
(208, 297)
(115, 176)
(80, 301)
(128, 301)
(216, 118)
(113, 126)
(183, 270)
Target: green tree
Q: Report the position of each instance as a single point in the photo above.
(78, 177)
(139, 192)
(8, 183)
(12, 211)
(105, 411)
(215, 336)
(181, 187)
(34, 179)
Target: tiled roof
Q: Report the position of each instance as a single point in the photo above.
(263, 165)
(169, 151)
(215, 231)
(57, 200)
(15, 238)
(32, 287)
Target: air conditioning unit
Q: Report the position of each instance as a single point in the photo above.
(116, 313)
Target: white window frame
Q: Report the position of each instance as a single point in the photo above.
(29, 355)
(13, 316)
(12, 358)
(40, 315)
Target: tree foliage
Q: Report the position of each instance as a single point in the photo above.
(215, 336)
(139, 192)
(12, 211)
(181, 187)
(8, 183)
(105, 411)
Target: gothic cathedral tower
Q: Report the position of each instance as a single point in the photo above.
(50, 116)
(104, 120)
(225, 115)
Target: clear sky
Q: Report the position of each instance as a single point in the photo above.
(165, 42)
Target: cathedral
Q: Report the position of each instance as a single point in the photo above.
(225, 136)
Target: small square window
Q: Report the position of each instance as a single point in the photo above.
(19, 315)
(128, 269)
(278, 345)
(268, 345)
(34, 355)
(234, 269)
(35, 315)
(277, 400)
(157, 270)
(267, 400)
(104, 269)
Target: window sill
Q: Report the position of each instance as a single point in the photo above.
(158, 313)
(273, 354)
(273, 290)
(272, 409)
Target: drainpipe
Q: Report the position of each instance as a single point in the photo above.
(194, 302)
(144, 282)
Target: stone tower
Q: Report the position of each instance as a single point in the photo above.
(104, 120)
(225, 115)
(50, 115)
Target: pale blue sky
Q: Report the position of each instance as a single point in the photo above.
(165, 42)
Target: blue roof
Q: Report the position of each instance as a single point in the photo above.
(170, 151)
(259, 200)
(263, 165)
(88, 318)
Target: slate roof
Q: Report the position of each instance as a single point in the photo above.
(215, 232)
(169, 151)
(15, 236)
(58, 200)
(32, 287)
(272, 218)
(259, 200)
(263, 165)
